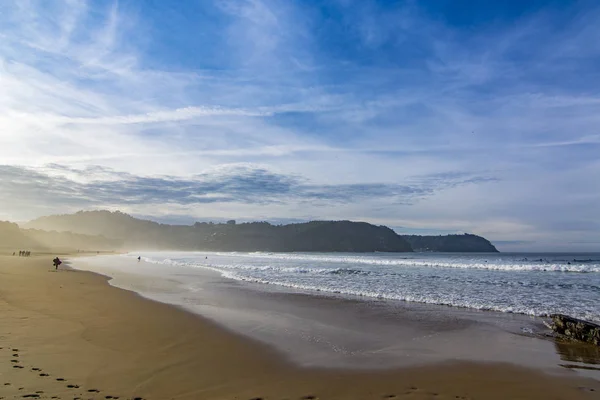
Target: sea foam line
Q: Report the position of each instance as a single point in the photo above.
(539, 266)
(436, 300)
(233, 273)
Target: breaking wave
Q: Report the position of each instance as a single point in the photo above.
(506, 284)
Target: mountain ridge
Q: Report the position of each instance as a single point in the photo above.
(15, 238)
(318, 236)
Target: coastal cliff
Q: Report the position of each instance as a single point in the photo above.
(451, 243)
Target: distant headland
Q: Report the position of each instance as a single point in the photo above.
(119, 231)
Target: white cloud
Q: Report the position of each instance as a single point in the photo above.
(78, 89)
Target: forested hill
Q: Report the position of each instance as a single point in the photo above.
(451, 243)
(322, 236)
(14, 239)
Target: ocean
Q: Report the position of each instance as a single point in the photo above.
(532, 284)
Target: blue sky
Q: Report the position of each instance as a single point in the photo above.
(437, 116)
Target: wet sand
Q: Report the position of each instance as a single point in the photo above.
(69, 334)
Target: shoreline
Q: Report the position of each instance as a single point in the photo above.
(74, 325)
(504, 284)
(328, 330)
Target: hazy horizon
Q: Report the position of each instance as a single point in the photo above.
(427, 117)
(503, 246)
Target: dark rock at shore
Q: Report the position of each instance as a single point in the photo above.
(576, 329)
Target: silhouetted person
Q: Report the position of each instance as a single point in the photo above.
(139, 259)
(56, 263)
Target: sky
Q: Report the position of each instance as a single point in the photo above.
(430, 117)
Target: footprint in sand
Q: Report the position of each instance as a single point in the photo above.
(35, 369)
(14, 361)
(93, 391)
(411, 390)
(44, 374)
(587, 389)
(16, 355)
(73, 386)
(18, 366)
(389, 396)
(60, 379)
(309, 397)
(34, 395)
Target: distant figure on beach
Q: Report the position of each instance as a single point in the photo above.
(139, 258)
(56, 263)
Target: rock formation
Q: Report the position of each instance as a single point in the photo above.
(576, 329)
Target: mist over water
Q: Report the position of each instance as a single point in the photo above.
(532, 284)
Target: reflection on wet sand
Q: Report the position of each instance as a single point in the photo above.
(578, 352)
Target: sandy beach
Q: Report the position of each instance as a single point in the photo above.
(68, 334)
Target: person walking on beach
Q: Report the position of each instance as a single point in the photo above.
(56, 263)
(139, 258)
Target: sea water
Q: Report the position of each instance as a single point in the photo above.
(531, 284)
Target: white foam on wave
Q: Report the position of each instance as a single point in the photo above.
(540, 266)
(437, 299)
(265, 268)
(354, 283)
